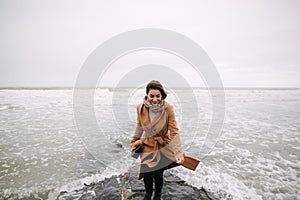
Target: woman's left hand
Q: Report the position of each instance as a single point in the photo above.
(180, 159)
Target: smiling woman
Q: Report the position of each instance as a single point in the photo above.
(154, 97)
(161, 143)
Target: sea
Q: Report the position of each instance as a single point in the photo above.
(58, 139)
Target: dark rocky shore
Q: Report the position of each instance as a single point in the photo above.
(127, 187)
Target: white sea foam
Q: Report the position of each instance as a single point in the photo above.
(218, 185)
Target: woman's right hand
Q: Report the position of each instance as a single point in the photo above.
(136, 144)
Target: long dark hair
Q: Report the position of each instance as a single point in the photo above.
(156, 85)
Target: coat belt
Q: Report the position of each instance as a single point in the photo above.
(155, 154)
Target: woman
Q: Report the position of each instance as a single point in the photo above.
(161, 143)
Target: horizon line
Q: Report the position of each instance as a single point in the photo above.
(127, 87)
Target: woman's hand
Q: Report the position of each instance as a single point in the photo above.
(179, 159)
(136, 144)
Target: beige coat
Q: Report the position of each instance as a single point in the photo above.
(161, 136)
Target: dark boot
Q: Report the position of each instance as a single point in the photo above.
(159, 181)
(147, 196)
(157, 196)
(148, 181)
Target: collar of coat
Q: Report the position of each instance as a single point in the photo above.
(143, 114)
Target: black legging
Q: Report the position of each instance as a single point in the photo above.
(158, 178)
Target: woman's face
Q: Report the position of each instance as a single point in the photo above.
(154, 96)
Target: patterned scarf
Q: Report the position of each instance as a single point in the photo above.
(154, 108)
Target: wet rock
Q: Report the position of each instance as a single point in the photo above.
(109, 189)
(127, 187)
(178, 192)
(120, 145)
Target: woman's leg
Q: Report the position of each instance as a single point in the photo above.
(159, 181)
(147, 174)
(148, 181)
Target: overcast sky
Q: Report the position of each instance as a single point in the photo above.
(253, 43)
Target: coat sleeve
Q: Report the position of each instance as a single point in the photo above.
(174, 138)
(138, 130)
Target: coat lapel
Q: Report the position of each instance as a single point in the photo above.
(145, 120)
(157, 124)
